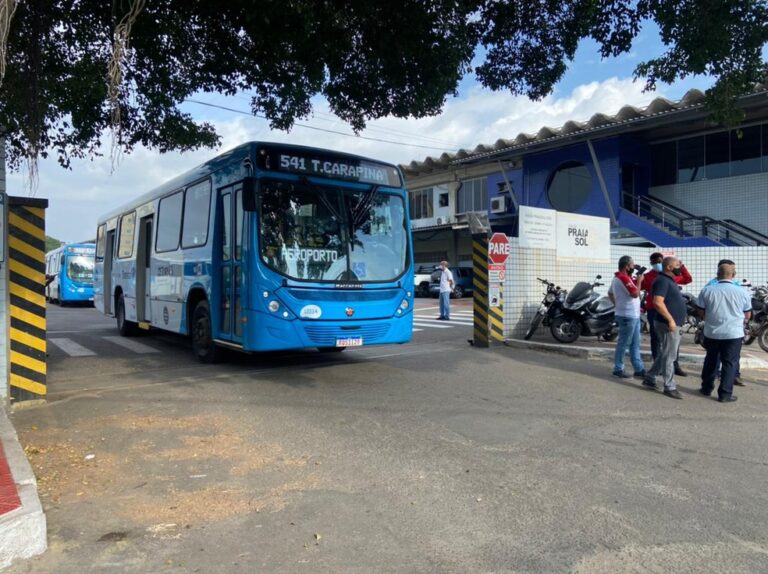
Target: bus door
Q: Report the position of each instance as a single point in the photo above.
(109, 254)
(230, 254)
(143, 275)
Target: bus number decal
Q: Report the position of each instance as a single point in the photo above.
(310, 312)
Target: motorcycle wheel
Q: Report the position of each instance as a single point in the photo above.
(534, 325)
(565, 329)
(698, 338)
(762, 338)
(610, 335)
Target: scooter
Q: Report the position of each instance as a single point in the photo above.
(550, 307)
(585, 313)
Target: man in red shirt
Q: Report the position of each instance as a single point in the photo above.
(682, 277)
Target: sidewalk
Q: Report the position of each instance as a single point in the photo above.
(691, 354)
(22, 522)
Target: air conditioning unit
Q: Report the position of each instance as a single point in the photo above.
(439, 220)
(500, 204)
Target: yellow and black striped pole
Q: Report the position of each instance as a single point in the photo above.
(26, 288)
(480, 335)
(496, 314)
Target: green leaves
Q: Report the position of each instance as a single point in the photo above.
(368, 59)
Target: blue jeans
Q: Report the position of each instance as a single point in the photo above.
(629, 339)
(445, 305)
(727, 351)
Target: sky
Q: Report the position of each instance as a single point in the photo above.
(77, 197)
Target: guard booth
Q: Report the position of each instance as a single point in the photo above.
(22, 298)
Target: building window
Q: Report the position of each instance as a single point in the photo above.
(664, 164)
(690, 159)
(569, 187)
(169, 222)
(196, 207)
(472, 195)
(718, 155)
(765, 147)
(421, 204)
(745, 151)
(443, 202)
(127, 233)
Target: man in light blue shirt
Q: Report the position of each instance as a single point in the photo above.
(725, 307)
(737, 379)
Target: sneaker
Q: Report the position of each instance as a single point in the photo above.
(639, 374)
(731, 399)
(621, 375)
(679, 371)
(650, 384)
(738, 382)
(673, 393)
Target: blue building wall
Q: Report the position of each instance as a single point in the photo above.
(612, 154)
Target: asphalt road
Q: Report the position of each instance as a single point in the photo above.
(427, 457)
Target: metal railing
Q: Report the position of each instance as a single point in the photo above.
(681, 223)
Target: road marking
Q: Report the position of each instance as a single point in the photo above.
(415, 330)
(431, 325)
(453, 321)
(132, 345)
(71, 348)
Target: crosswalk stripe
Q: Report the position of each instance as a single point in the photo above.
(453, 321)
(433, 326)
(71, 348)
(132, 345)
(417, 330)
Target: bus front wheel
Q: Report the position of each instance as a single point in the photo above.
(125, 327)
(203, 346)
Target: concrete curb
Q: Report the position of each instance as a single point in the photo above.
(23, 532)
(607, 354)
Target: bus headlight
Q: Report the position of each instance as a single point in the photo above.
(273, 306)
(404, 304)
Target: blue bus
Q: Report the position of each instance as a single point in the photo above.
(265, 247)
(69, 273)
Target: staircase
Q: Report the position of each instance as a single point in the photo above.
(686, 228)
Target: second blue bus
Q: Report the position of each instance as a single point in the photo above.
(70, 272)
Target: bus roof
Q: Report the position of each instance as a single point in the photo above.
(65, 246)
(239, 154)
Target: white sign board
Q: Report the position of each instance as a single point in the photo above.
(537, 228)
(583, 237)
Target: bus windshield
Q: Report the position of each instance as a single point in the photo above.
(325, 233)
(80, 269)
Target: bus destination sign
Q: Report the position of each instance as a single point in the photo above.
(299, 161)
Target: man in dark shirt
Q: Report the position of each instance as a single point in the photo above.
(682, 277)
(670, 317)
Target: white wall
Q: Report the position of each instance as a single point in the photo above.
(523, 293)
(743, 199)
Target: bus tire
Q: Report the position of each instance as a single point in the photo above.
(203, 345)
(125, 328)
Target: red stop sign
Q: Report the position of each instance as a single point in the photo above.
(498, 248)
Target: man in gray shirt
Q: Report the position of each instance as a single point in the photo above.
(725, 306)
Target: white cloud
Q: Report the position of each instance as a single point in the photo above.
(79, 196)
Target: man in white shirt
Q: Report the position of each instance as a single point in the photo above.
(625, 294)
(446, 288)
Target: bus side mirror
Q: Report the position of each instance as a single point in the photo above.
(250, 191)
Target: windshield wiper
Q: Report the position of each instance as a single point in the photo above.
(324, 198)
(362, 207)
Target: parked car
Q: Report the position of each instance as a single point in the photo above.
(462, 282)
(421, 280)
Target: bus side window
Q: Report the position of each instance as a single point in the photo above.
(239, 224)
(226, 228)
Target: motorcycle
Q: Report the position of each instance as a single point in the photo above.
(692, 316)
(757, 326)
(585, 313)
(550, 307)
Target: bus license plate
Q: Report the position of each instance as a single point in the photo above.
(349, 342)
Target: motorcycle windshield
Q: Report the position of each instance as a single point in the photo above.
(580, 291)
